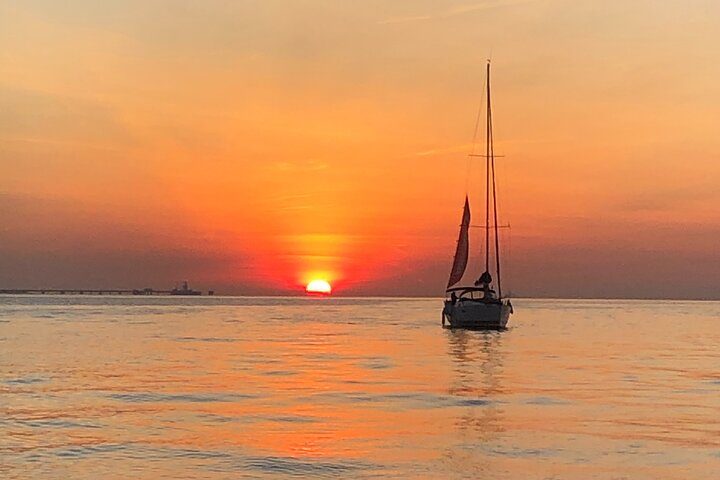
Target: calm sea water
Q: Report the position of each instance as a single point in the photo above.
(227, 388)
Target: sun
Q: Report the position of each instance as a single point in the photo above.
(319, 286)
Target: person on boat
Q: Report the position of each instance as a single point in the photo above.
(448, 307)
(453, 298)
(485, 280)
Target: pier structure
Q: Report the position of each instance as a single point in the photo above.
(90, 291)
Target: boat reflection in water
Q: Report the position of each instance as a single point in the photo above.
(477, 364)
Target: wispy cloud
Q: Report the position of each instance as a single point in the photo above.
(454, 11)
(487, 5)
(309, 165)
(464, 148)
(408, 19)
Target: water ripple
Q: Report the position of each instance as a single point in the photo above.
(149, 397)
(299, 468)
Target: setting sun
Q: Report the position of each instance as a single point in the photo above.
(319, 286)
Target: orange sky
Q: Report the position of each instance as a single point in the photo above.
(249, 146)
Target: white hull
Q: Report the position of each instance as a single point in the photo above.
(477, 314)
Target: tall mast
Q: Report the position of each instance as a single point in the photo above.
(490, 154)
(488, 140)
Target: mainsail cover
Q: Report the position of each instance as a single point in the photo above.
(461, 252)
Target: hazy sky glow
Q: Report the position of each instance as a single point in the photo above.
(250, 146)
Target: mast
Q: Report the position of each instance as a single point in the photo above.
(488, 140)
(490, 175)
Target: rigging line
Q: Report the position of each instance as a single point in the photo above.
(494, 195)
(500, 177)
(509, 254)
(468, 167)
(468, 164)
(477, 121)
(495, 216)
(502, 182)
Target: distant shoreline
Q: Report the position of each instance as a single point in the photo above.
(56, 292)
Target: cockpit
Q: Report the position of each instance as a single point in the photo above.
(461, 294)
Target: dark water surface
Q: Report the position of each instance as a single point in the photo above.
(227, 388)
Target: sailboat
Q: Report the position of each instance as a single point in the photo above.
(481, 305)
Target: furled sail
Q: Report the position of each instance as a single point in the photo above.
(461, 252)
